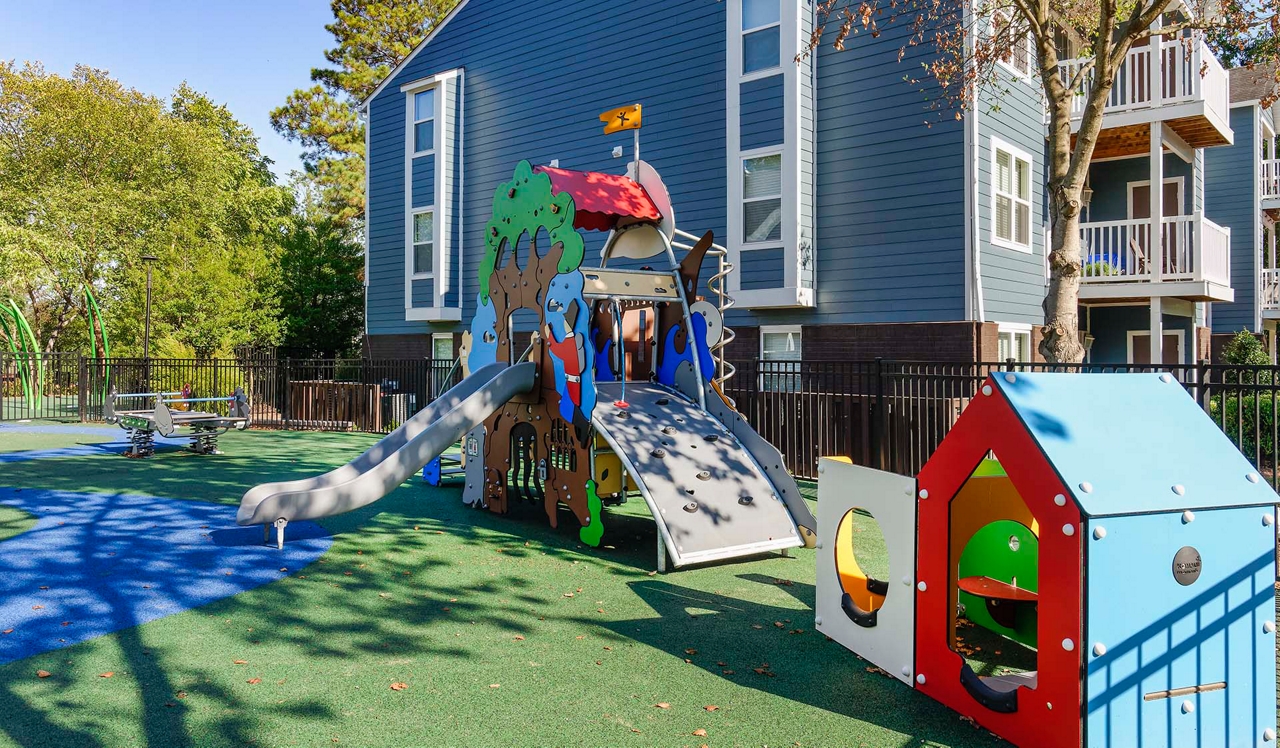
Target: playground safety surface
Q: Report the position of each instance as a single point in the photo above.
(502, 632)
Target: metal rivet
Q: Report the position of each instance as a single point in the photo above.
(1068, 530)
(986, 389)
(920, 679)
(922, 586)
(1166, 378)
(1188, 517)
(1099, 533)
(1188, 707)
(1060, 500)
(908, 490)
(817, 620)
(821, 468)
(1252, 477)
(1099, 649)
(745, 500)
(1068, 645)
(818, 545)
(1010, 378)
(906, 671)
(906, 581)
(704, 475)
(1179, 489)
(1268, 735)
(1269, 627)
(1048, 705)
(1267, 519)
(924, 493)
(1087, 487)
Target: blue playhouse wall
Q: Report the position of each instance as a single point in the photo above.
(1146, 634)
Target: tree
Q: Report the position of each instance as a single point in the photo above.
(373, 37)
(321, 288)
(967, 40)
(94, 176)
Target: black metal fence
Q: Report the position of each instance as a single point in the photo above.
(886, 414)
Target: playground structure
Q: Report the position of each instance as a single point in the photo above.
(1122, 540)
(616, 389)
(25, 350)
(204, 428)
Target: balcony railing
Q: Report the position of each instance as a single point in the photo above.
(1270, 178)
(1192, 248)
(1270, 282)
(1174, 77)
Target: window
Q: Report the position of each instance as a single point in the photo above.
(424, 232)
(1020, 52)
(780, 359)
(762, 199)
(442, 347)
(424, 121)
(761, 35)
(1015, 345)
(1011, 178)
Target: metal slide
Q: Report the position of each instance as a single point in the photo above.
(392, 460)
(709, 496)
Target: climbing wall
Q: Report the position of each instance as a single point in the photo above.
(710, 499)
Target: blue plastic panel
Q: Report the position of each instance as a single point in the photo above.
(1159, 635)
(1132, 438)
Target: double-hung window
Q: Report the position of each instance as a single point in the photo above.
(424, 121)
(780, 359)
(1015, 345)
(761, 35)
(424, 242)
(762, 199)
(1016, 52)
(1011, 187)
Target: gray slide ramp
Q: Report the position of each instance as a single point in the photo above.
(710, 498)
(395, 458)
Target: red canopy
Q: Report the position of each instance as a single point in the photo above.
(601, 199)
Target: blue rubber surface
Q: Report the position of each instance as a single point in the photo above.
(113, 561)
(80, 450)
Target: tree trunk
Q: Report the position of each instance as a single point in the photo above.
(1061, 336)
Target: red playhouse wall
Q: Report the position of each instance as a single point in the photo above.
(1050, 715)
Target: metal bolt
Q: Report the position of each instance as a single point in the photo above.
(817, 620)
(821, 468)
(920, 679)
(906, 581)
(1188, 707)
(1188, 517)
(1068, 645)
(986, 390)
(1060, 500)
(818, 545)
(1267, 519)
(1269, 627)
(1099, 533)
(924, 493)
(1086, 487)
(1068, 530)
(1010, 378)
(922, 586)
(1268, 735)
(1099, 649)
(1252, 477)
(1166, 378)
(906, 671)
(1179, 489)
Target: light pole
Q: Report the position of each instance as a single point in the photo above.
(146, 329)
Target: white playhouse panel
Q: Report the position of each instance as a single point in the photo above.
(887, 638)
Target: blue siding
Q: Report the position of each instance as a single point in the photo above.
(384, 302)
(423, 292)
(1013, 281)
(424, 181)
(760, 112)
(1110, 182)
(1110, 326)
(762, 268)
(1231, 179)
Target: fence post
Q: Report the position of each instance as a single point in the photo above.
(1202, 380)
(880, 420)
(82, 400)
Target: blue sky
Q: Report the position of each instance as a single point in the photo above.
(245, 54)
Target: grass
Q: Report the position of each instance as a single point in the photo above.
(505, 632)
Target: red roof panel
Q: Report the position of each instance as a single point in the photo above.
(601, 199)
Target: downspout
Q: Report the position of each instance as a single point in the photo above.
(462, 175)
(972, 130)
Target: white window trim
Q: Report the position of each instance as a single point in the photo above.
(1017, 328)
(411, 121)
(744, 77)
(1179, 332)
(438, 336)
(442, 204)
(998, 145)
(744, 156)
(776, 329)
(1182, 195)
(790, 295)
(1028, 40)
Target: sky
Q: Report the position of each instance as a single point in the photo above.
(246, 54)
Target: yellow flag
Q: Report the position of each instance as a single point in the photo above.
(622, 118)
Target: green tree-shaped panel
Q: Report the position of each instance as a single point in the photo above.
(526, 204)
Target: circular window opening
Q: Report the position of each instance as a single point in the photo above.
(862, 559)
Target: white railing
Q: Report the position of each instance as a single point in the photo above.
(1174, 78)
(1193, 248)
(1270, 282)
(1270, 178)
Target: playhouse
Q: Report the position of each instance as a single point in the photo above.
(1099, 523)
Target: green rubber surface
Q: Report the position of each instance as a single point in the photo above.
(14, 522)
(505, 632)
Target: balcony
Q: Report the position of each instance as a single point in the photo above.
(1270, 170)
(1183, 85)
(1269, 290)
(1195, 260)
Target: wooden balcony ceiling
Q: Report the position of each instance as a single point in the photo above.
(1135, 140)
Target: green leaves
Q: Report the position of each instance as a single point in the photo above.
(520, 208)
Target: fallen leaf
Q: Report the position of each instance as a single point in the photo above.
(254, 681)
(711, 707)
(778, 624)
(568, 594)
(398, 686)
(599, 610)
(654, 574)
(756, 626)
(728, 672)
(7, 631)
(240, 662)
(37, 607)
(635, 731)
(519, 638)
(181, 694)
(691, 651)
(579, 637)
(383, 594)
(662, 705)
(493, 685)
(797, 631)
(700, 733)
(44, 586)
(43, 673)
(107, 674)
